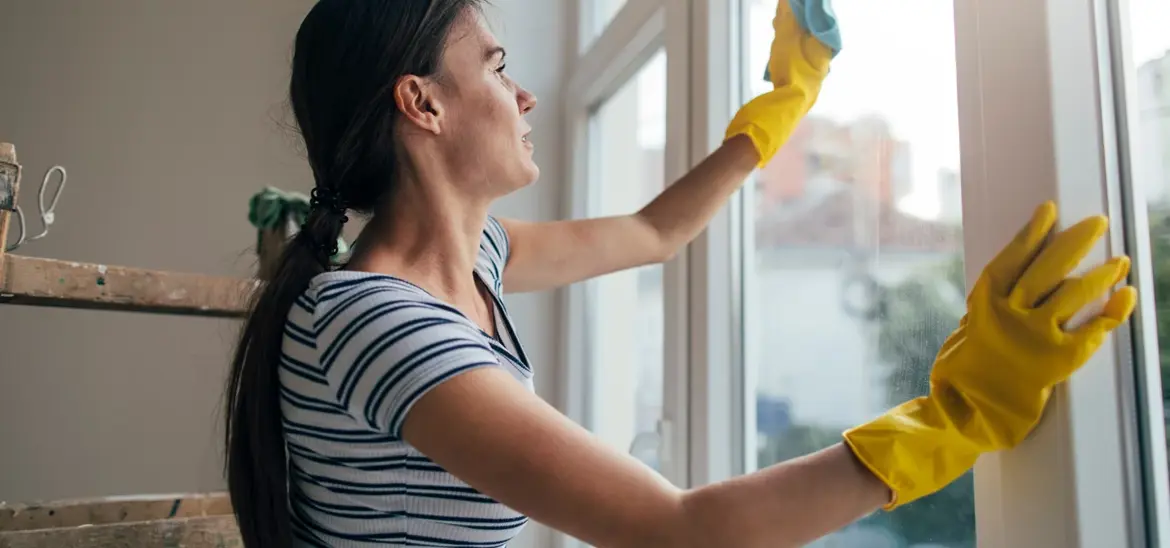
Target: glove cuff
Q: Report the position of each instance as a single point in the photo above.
(914, 449)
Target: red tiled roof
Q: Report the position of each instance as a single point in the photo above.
(846, 220)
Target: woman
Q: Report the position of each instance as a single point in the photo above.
(389, 402)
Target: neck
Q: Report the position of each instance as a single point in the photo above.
(428, 236)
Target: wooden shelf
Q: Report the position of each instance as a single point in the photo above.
(204, 532)
(193, 521)
(35, 281)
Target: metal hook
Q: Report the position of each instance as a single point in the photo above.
(47, 213)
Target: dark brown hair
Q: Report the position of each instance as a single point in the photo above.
(348, 56)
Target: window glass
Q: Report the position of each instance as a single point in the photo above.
(598, 14)
(854, 249)
(625, 309)
(1150, 139)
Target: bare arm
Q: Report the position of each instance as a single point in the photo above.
(501, 439)
(546, 255)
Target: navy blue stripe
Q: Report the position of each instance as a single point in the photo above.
(297, 337)
(429, 357)
(330, 290)
(336, 434)
(321, 324)
(393, 489)
(302, 370)
(305, 304)
(490, 236)
(392, 538)
(376, 348)
(361, 512)
(400, 413)
(296, 328)
(372, 464)
(364, 319)
(311, 404)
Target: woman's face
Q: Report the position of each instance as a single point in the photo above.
(482, 134)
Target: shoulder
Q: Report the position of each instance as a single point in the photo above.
(346, 304)
(383, 342)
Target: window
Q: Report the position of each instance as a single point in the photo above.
(625, 309)
(857, 264)
(1149, 153)
(597, 15)
(820, 296)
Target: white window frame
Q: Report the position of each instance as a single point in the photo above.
(1039, 122)
(702, 384)
(637, 32)
(639, 29)
(1042, 119)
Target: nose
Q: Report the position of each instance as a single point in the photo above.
(525, 99)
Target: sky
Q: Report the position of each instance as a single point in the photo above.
(898, 62)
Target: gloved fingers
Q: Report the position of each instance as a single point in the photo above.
(1117, 310)
(1120, 305)
(1076, 292)
(796, 55)
(1009, 264)
(1056, 260)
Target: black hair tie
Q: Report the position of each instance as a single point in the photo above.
(323, 197)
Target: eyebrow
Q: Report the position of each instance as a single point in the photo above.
(494, 51)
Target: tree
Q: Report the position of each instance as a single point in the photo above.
(914, 317)
(1160, 247)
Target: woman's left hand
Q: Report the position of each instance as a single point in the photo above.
(797, 66)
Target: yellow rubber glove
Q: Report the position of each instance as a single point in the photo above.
(993, 375)
(798, 65)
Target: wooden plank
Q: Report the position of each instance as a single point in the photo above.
(107, 510)
(198, 532)
(48, 282)
(9, 192)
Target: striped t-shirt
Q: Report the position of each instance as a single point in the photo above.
(359, 349)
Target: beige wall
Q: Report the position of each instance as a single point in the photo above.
(173, 104)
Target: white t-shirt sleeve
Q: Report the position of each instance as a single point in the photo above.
(385, 351)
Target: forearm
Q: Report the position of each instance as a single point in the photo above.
(680, 212)
(788, 504)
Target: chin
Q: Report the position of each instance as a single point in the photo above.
(528, 173)
(533, 173)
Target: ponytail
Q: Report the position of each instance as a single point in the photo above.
(256, 467)
(347, 56)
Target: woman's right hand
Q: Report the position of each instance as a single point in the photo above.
(992, 377)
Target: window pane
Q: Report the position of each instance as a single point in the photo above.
(856, 266)
(598, 15)
(627, 137)
(1150, 137)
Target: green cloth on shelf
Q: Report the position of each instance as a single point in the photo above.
(270, 208)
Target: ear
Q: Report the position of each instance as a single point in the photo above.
(417, 102)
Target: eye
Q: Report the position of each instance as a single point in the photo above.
(501, 68)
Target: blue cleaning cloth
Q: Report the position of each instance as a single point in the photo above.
(817, 18)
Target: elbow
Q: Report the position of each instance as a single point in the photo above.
(657, 243)
(666, 252)
(665, 247)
